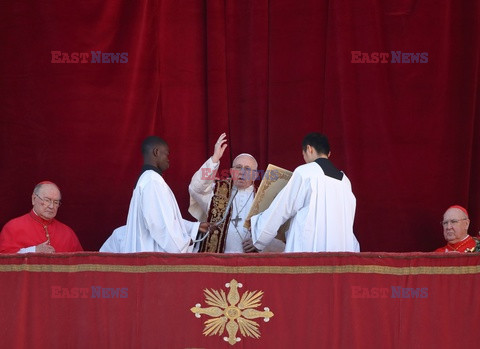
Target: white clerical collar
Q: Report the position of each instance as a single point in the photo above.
(247, 190)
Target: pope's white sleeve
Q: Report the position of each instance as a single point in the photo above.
(201, 189)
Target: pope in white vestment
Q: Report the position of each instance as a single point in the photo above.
(201, 193)
(322, 209)
(154, 222)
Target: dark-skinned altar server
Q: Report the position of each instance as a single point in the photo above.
(154, 222)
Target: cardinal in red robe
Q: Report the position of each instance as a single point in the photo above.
(38, 230)
(455, 226)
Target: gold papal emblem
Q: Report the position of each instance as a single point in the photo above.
(232, 312)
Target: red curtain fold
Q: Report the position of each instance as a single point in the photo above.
(265, 72)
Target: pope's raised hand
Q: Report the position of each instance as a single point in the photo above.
(220, 147)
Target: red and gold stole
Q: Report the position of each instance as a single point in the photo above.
(215, 241)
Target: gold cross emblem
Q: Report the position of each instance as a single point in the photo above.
(232, 312)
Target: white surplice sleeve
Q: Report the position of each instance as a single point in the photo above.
(113, 243)
(163, 219)
(192, 228)
(27, 249)
(201, 190)
(286, 204)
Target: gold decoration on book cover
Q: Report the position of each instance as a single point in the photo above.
(273, 181)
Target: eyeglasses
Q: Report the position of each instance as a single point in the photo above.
(240, 167)
(452, 221)
(47, 202)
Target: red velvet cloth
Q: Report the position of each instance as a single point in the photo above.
(265, 72)
(331, 300)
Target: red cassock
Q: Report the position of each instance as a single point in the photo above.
(466, 245)
(31, 230)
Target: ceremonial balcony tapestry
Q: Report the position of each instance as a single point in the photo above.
(318, 300)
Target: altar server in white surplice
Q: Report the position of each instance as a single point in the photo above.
(244, 173)
(319, 199)
(154, 222)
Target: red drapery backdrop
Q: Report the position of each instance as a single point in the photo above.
(264, 71)
(317, 300)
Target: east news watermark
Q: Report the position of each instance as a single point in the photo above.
(393, 57)
(92, 57)
(389, 292)
(89, 292)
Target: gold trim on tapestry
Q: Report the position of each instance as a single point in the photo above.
(328, 269)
